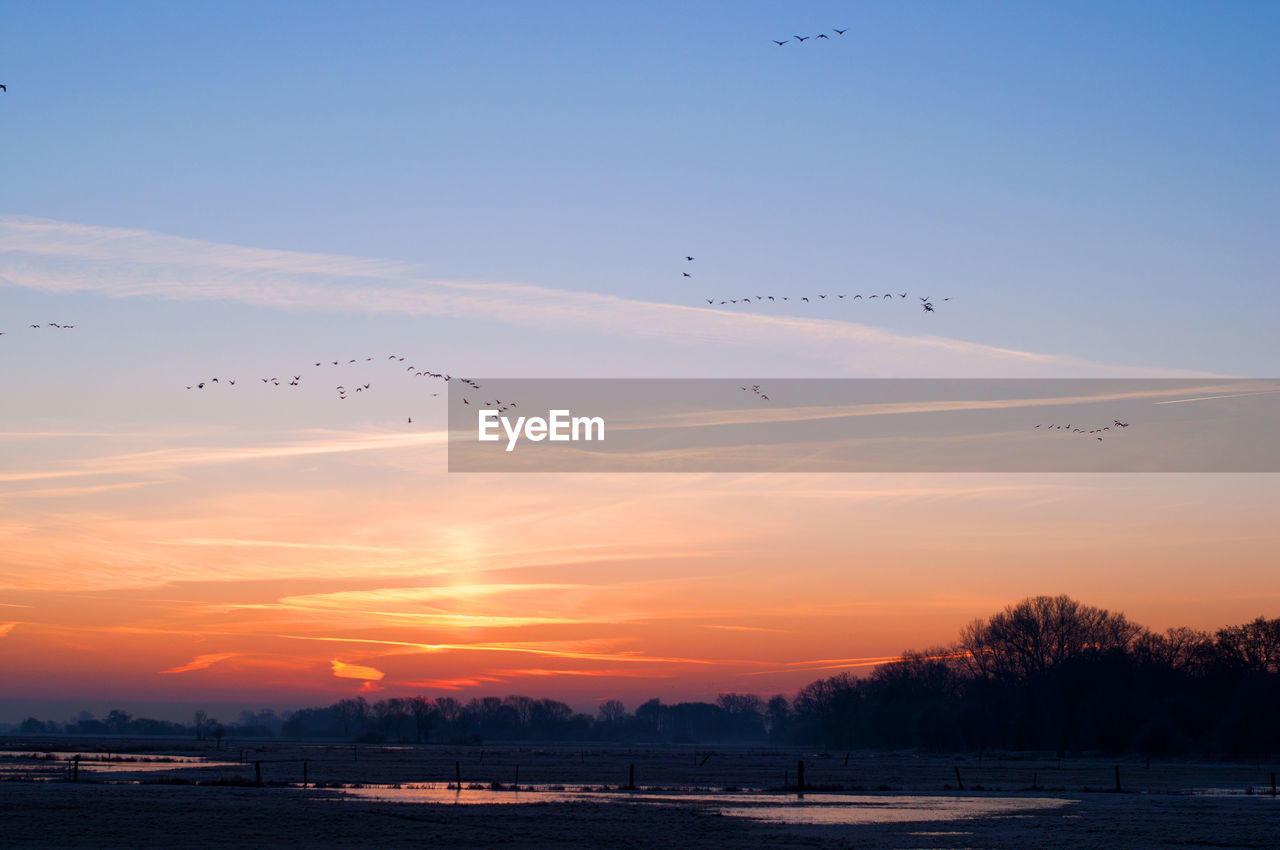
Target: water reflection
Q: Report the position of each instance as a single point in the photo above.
(775, 808)
(833, 809)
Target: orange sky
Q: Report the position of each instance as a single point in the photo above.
(347, 563)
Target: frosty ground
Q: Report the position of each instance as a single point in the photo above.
(130, 793)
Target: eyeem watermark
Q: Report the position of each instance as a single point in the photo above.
(559, 426)
(1185, 425)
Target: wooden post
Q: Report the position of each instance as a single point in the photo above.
(75, 769)
(257, 773)
(959, 781)
(457, 771)
(517, 785)
(631, 778)
(1273, 783)
(1117, 779)
(1035, 777)
(800, 776)
(846, 759)
(304, 774)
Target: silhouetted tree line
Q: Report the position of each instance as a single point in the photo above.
(1052, 674)
(1045, 674)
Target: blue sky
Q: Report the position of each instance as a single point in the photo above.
(1092, 179)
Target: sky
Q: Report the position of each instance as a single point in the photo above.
(510, 190)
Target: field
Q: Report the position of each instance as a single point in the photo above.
(129, 793)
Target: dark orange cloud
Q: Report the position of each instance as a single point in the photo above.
(355, 671)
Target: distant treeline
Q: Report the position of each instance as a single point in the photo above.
(1045, 674)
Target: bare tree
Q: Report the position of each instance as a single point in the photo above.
(199, 721)
(1255, 646)
(612, 711)
(1026, 639)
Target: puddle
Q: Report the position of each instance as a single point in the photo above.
(1259, 791)
(832, 809)
(99, 763)
(775, 808)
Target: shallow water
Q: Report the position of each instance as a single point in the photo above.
(775, 808)
(99, 763)
(864, 809)
(1233, 792)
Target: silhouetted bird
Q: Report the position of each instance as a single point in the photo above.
(780, 43)
(823, 35)
(839, 32)
(801, 37)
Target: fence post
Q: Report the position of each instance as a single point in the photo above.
(631, 778)
(457, 771)
(959, 781)
(800, 776)
(1117, 779)
(304, 774)
(257, 773)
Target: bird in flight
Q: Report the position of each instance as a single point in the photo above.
(686, 274)
(780, 43)
(823, 35)
(688, 259)
(3, 87)
(840, 32)
(802, 37)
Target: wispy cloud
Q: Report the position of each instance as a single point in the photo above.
(529, 648)
(161, 460)
(54, 256)
(200, 662)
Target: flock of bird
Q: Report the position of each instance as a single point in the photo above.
(48, 324)
(342, 390)
(1083, 431)
(926, 304)
(801, 39)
